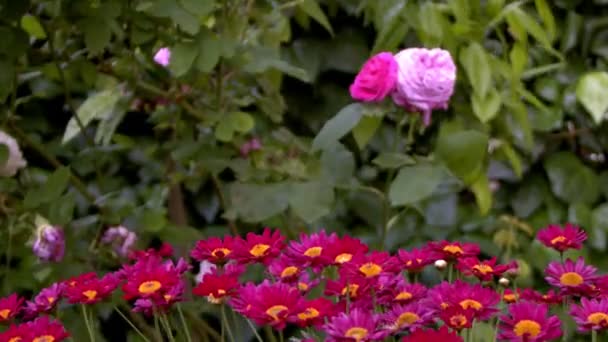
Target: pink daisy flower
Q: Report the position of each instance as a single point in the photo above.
(453, 250)
(342, 250)
(213, 249)
(308, 251)
(562, 239)
(571, 277)
(406, 317)
(591, 314)
(357, 326)
(416, 259)
(528, 322)
(483, 270)
(259, 248)
(481, 299)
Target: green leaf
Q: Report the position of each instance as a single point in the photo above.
(390, 160)
(513, 157)
(152, 220)
(580, 214)
(210, 50)
(54, 186)
(241, 122)
(311, 200)
(531, 26)
(338, 126)
(476, 65)
(528, 198)
(97, 34)
(365, 129)
(463, 153)
(98, 106)
(414, 183)
(32, 26)
(107, 127)
(198, 7)
(224, 130)
(483, 194)
(337, 165)
(4, 153)
(519, 58)
(544, 11)
(262, 59)
(591, 92)
(182, 57)
(312, 8)
(486, 108)
(258, 202)
(571, 181)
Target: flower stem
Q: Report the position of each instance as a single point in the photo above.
(281, 337)
(133, 326)
(450, 272)
(165, 322)
(225, 322)
(594, 336)
(85, 315)
(255, 331)
(186, 328)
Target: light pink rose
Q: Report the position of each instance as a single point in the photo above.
(163, 57)
(376, 79)
(425, 80)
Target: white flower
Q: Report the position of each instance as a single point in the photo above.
(15, 159)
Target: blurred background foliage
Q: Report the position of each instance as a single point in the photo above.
(112, 138)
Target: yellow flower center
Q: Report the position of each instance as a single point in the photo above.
(275, 310)
(403, 296)
(559, 239)
(302, 286)
(149, 287)
(526, 327)
(309, 313)
(44, 338)
(483, 268)
(510, 298)
(571, 279)
(598, 318)
(342, 258)
(51, 300)
(407, 318)
(409, 262)
(90, 294)
(313, 252)
(289, 271)
(453, 249)
(221, 252)
(259, 250)
(4, 313)
(351, 289)
(470, 303)
(458, 321)
(357, 333)
(444, 305)
(15, 339)
(370, 269)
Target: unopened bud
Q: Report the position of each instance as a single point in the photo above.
(512, 272)
(441, 264)
(504, 281)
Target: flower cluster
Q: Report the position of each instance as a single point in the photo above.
(419, 80)
(336, 289)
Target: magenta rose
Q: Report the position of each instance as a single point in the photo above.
(425, 80)
(376, 79)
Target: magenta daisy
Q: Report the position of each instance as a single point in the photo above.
(591, 314)
(356, 326)
(571, 277)
(528, 322)
(551, 297)
(453, 250)
(272, 304)
(308, 251)
(213, 249)
(481, 299)
(10, 307)
(372, 265)
(562, 239)
(259, 248)
(342, 250)
(407, 317)
(416, 259)
(483, 270)
(285, 269)
(396, 290)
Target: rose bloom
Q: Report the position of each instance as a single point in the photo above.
(376, 80)
(425, 80)
(528, 322)
(562, 239)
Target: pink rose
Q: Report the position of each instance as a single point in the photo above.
(163, 57)
(425, 80)
(376, 79)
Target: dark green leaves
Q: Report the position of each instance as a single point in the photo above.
(571, 181)
(312, 8)
(464, 153)
(338, 126)
(50, 191)
(98, 106)
(414, 183)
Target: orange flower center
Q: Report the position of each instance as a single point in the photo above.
(216, 300)
(444, 305)
(527, 328)
(51, 300)
(44, 338)
(342, 258)
(309, 313)
(407, 318)
(559, 239)
(4, 313)
(483, 268)
(357, 333)
(313, 252)
(90, 294)
(149, 287)
(370, 269)
(598, 318)
(409, 262)
(351, 289)
(470, 303)
(403, 296)
(221, 252)
(15, 339)
(458, 321)
(510, 298)
(302, 286)
(571, 279)
(289, 271)
(259, 250)
(453, 249)
(275, 310)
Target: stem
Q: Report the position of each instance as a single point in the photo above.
(87, 323)
(133, 326)
(593, 335)
(225, 321)
(159, 335)
(255, 331)
(181, 317)
(450, 271)
(281, 337)
(8, 252)
(167, 326)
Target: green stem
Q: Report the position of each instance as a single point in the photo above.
(281, 337)
(133, 326)
(594, 336)
(159, 335)
(184, 324)
(450, 271)
(85, 315)
(255, 331)
(167, 326)
(225, 322)
(565, 308)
